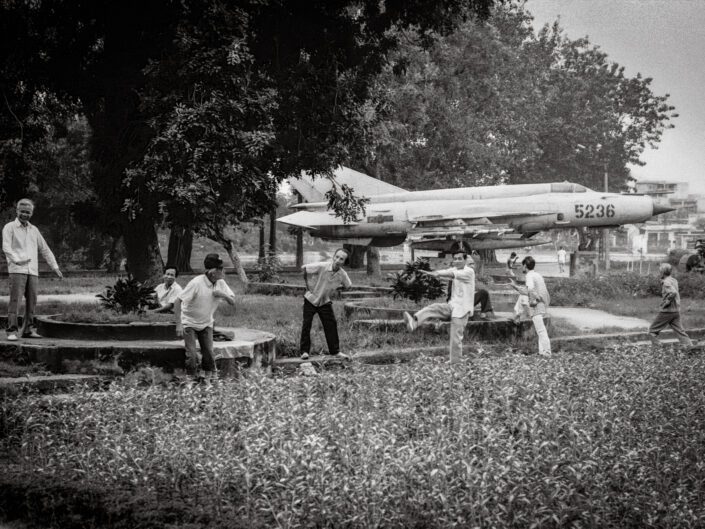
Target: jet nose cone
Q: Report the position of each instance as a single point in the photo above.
(661, 207)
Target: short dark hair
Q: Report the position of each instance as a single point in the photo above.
(529, 262)
(176, 270)
(212, 260)
(455, 251)
(513, 254)
(341, 249)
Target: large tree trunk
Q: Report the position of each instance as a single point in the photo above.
(235, 258)
(262, 247)
(356, 255)
(299, 248)
(373, 264)
(180, 246)
(273, 231)
(142, 248)
(299, 240)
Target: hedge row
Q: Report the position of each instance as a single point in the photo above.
(620, 285)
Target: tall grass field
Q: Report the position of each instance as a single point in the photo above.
(610, 440)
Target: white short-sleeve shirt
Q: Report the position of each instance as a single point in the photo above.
(167, 295)
(198, 303)
(462, 297)
(327, 281)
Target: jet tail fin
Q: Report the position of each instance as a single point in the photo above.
(315, 189)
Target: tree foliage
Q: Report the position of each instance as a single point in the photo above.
(495, 102)
(198, 109)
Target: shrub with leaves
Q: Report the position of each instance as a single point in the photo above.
(127, 295)
(410, 284)
(268, 267)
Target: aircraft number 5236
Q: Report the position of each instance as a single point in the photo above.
(590, 211)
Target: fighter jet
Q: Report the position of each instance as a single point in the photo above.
(482, 218)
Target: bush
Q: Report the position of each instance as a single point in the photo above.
(127, 295)
(268, 267)
(410, 284)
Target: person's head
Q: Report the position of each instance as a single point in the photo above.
(528, 262)
(664, 269)
(461, 259)
(561, 248)
(339, 258)
(513, 255)
(25, 209)
(214, 267)
(170, 275)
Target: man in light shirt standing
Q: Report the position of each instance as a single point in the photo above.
(561, 259)
(22, 242)
(194, 309)
(331, 277)
(539, 300)
(459, 307)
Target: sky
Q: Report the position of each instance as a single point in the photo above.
(661, 39)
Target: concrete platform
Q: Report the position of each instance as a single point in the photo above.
(49, 384)
(251, 348)
(500, 328)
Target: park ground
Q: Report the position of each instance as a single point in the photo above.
(607, 437)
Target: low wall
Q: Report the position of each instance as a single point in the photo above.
(53, 327)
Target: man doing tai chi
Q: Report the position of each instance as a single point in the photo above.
(330, 277)
(669, 309)
(539, 300)
(22, 242)
(459, 306)
(194, 308)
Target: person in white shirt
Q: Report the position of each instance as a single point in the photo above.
(194, 308)
(539, 300)
(561, 259)
(459, 307)
(21, 243)
(168, 291)
(330, 277)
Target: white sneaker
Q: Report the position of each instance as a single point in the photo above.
(12, 337)
(304, 356)
(547, 354)
(411, 323)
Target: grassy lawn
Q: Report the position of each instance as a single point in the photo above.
(614, 439)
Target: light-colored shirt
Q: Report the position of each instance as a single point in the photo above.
(167, 295)
(327, 281)
(536, 288)
(670, 297)
(25, 242)
(198, 303)
(462, 296)
(561, 256)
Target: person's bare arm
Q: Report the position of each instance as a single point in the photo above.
(224, 296)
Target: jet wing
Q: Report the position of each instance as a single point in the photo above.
(477, 217)
(481, 225)
(313, 219)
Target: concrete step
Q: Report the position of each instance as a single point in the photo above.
(50, 383)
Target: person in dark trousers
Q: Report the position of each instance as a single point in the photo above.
(330, 276)
(669, 309)
(194, 308)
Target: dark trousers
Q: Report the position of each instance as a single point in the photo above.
(22, 285)
(330, 327)
(205, 358)
(483, 298)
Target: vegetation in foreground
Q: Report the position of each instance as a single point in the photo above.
(583, 440)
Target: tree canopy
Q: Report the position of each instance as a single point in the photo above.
(495, 102)
(200, 108)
